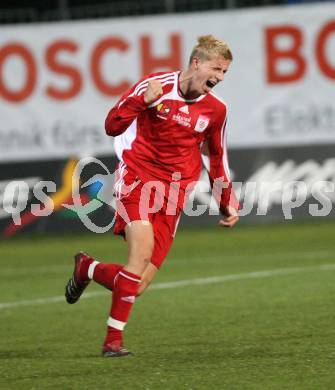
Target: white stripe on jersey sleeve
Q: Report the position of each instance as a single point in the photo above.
(144, 85)
(159, 77)
(163, 84)
(205, 157)
(224, 145)
(223, 139)
(124, 140)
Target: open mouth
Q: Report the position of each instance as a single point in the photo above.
(210, 84)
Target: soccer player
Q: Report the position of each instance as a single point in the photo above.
(164, 126)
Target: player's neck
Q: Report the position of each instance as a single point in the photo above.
(186, 86)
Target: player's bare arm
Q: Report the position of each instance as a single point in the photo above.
(153, 91)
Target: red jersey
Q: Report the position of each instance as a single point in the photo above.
(170, 135)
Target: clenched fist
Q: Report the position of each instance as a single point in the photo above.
(153, 91)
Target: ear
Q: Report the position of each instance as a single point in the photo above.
(196, 63)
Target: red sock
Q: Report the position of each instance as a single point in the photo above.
(125, 290)
(104, 274)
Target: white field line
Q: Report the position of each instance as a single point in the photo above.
(270, 256)
(55, 269)
(184, 283)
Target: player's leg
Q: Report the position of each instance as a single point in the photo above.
(147, 277)
(165, 227)
(86, 268)
(140, 239)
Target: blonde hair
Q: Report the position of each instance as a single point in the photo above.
(208, 46)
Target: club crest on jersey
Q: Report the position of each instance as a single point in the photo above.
(163, 109)
(202, 123)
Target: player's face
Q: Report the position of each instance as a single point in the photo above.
(208, 73)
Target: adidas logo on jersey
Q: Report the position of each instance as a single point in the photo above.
(184, 109)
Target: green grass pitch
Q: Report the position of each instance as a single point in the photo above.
(254, 309)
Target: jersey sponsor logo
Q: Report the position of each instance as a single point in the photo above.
(202, 123)
(184, 109)
(182, 120)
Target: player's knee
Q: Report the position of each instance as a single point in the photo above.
(140, 257)
(146, 256)
(140, 250)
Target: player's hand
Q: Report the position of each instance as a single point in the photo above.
(230, 217)
(153, 92)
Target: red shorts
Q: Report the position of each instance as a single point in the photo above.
(140, 201)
